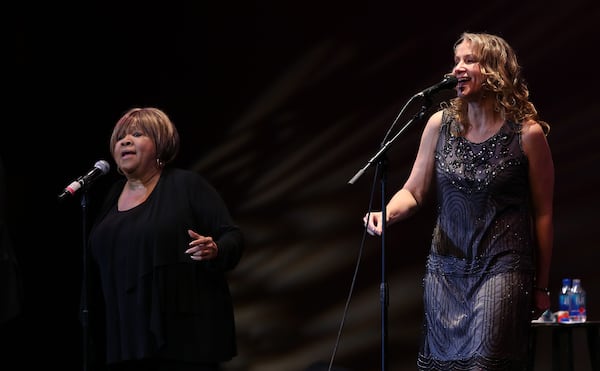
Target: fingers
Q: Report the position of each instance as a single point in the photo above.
(202, 252)
(193, 234)
(199, 239)
(369, 223)
(201, 247)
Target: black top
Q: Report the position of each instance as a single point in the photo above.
(158, 301)
(10, 278)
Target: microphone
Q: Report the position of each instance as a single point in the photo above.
(100, 168)
(449, 82)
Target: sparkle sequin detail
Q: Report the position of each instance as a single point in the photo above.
(473, 166)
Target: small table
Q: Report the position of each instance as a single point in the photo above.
(562, 333)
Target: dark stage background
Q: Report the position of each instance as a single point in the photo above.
(279, 104)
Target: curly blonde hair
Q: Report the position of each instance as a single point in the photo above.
(502, 72)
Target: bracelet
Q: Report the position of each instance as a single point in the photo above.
(544, 289)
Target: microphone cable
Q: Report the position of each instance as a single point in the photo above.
(353, 282)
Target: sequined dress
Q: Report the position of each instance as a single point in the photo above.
(479, 272)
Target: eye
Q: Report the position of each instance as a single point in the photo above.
(471, 60)
(137, 134)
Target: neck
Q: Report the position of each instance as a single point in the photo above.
(143, 182)
(482, 114)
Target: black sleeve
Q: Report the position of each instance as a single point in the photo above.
(10, 280)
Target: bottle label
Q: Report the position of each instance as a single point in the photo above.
(562, 316)
(563, 303)
(577, 312)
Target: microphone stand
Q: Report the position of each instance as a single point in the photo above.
(381, 161)
(84, 285)
(100, 168)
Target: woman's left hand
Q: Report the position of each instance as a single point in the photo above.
(201, 247)
(541, 301)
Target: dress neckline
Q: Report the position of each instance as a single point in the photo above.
(495, 134)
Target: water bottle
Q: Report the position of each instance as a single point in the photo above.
(577, 312)
(564, 301)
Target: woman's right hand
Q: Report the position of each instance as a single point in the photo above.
(372, 222)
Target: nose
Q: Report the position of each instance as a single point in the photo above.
(126, 140)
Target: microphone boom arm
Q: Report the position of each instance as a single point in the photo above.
(384, 147)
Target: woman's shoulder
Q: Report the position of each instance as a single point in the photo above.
(181, 175)
(437, 120)
(179, 172)
(533, 136)
(530, 129)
